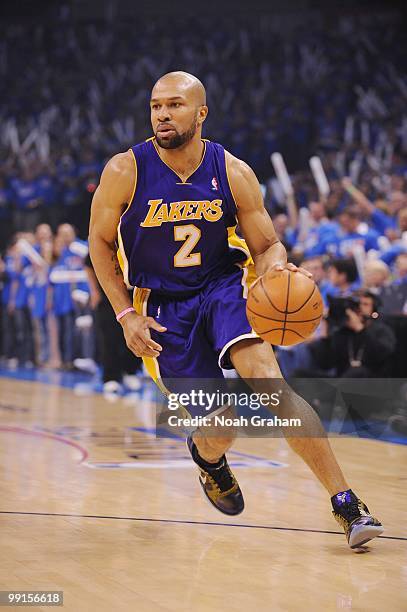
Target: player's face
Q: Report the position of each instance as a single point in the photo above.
(174, 118)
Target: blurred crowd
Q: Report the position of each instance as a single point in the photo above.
(54, 313)
(298, 84)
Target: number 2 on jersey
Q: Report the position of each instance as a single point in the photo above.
(184, 257)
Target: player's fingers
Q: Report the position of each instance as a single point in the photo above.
(137, 344)
(304, 271)
(278, 267)
(155, 325)
(134, 348)
(153, 345)
(150, 342)
(145, 351)
(254, 283)
(293, 268)
(148, 351)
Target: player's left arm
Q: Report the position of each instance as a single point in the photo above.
(255, 223)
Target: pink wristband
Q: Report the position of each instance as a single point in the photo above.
(124, 312)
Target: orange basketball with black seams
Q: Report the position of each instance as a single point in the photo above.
(284, 307)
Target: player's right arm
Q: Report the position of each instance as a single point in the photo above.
(109, 201)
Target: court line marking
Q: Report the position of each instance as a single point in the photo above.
(139, 465)
(43, 434)
(62, 382)
(184, 522)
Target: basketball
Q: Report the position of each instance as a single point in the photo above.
(284, 307)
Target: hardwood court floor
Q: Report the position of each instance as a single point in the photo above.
(143, 538)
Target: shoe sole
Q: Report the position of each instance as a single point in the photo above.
(364, 533)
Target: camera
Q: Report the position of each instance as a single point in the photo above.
(338, 306)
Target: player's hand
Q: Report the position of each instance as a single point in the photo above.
(292, 268)
(136, 330)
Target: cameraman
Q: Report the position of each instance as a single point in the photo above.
(357, 344)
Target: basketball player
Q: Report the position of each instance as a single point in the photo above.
(171, 205)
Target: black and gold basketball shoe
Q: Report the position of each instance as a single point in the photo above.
(218, 483)
(354, 516)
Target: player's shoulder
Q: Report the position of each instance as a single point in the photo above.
(121, 164)
(242, 180)
(238, 170)
(119, 176)
(120, 172)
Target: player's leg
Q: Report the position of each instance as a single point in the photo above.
(218, 482)
(255, 361)
(187, 354)
(213, 445)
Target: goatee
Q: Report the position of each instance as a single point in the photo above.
(178, 140)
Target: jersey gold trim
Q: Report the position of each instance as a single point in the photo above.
(229, 183)
(172, 169)
(135, 180)
(235, 242)
(121, 254)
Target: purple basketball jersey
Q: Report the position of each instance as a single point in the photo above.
(176, 236)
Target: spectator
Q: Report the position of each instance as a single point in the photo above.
(382, 220)
(316, 266)
(18, 306)
(343, 242)
(362, 345)
(376, 275)
(5, 213)
(56, 134)
(28, 199)
(62, 304)
(342, 279)
(398, 239)
(284, 232)
(316, 230)
(9, 274)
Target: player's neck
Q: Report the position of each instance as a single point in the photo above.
(186, 159)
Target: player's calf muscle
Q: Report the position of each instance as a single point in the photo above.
(255, 362)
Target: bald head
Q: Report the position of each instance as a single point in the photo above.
(184, 83)
(178, 109)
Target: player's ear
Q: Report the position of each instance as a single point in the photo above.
(202, 114)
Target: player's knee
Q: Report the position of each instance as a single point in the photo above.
(263, 367)
(254, 359)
